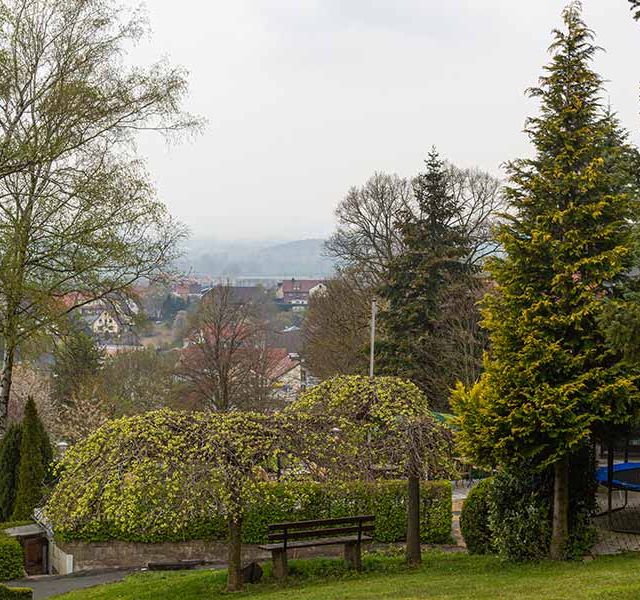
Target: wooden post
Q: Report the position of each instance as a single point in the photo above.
(280, 566)
(353, 555)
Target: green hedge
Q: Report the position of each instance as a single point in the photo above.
(474, 518)
(11, 559)
(15, 593)
(296, 502)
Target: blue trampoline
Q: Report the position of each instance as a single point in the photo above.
(626, 476)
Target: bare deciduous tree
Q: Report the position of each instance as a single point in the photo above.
(368, 233)
(79, 220)
(226, 364)
(367, 236)
(336, 328)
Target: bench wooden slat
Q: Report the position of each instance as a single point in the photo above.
(312, 543)
(301, 535)
(321, 522)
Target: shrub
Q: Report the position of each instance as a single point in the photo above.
(9, 462)
(521, 510)
(520, 516)
(35, 456)
(474, 518)
(297, 501)
(11, 559)
(15, 593)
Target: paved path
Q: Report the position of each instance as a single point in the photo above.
(46, 587)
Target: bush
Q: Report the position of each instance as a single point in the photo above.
(15, 593)
(474, 518)
(9, 462)
(521, 510)
(520, 516)
(296, 501)
(11, 559)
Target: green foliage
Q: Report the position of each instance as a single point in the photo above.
(35, 458)
(551, 377)
(474, 518)
(519, 517)
(77, 358)
(635, 6)
(293, 501)
(520, 510)
(7, 593)
(11, 558)
(421, 278)
(354, 398)
(9, 464)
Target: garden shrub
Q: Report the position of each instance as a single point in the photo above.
(295, 501)
(474, 518)
(7, 593)
(521, 510)
(11, 559)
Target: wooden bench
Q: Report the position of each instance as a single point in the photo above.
(350, 532)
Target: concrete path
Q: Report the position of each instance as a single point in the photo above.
(48, 586)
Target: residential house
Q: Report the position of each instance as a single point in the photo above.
(296, 292)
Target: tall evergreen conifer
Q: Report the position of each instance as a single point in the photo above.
(432, 263)
(9, 463)
(35, 456)
(551, 378)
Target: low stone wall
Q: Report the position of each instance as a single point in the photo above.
(89, 556)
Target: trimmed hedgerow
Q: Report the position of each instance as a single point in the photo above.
(15, 593)
(474, 518)
(11, 559)
(296, 501)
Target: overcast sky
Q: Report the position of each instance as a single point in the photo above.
(305, 98)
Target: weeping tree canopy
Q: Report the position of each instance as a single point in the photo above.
(389, 421)
(167, 468)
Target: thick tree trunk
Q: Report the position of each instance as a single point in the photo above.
(560, 531)
(413, 551)
(234, 576)
(5, 385)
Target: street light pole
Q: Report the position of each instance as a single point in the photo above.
(374, 311)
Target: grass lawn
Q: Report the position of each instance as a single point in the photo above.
(441, 576)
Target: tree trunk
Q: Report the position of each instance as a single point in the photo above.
(234, 573)
(413, 551)
(560, 531)
(5, 385)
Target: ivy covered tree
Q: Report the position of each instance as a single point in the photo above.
(551, 378)
(432, 266)
(35, 460)
(9, 463)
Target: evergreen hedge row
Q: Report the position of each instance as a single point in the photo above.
(294, 501)
(11, 559)
(15, 593)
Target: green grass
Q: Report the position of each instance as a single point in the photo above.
(441, 576)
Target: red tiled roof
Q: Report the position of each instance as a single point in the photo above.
(300, 285)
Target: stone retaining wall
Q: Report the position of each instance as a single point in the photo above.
(89, 556)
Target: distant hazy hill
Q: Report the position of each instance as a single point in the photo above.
(303, 258)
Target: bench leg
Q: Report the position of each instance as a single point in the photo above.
(280, 566)
(353, 556)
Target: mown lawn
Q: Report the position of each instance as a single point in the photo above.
(441, 576)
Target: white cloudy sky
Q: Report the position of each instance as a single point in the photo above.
(305, 98)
